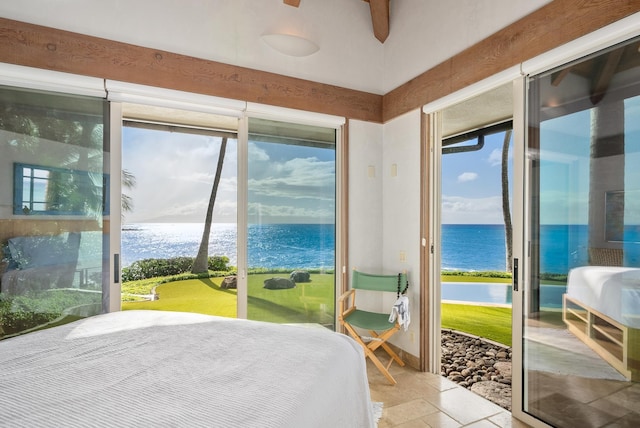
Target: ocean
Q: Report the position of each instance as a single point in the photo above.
(271, 245)
(475, 247)
(464, 247)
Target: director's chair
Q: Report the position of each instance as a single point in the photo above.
(377, 324)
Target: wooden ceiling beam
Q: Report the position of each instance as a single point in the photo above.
(32, 45)
(294, 3)
(601, 81)
(380, 18)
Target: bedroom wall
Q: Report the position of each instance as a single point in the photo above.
(365, 196)
(401, 215)
(384, 209)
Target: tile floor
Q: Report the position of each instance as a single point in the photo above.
(421, 400)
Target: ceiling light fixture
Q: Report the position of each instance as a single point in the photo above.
(289, 44)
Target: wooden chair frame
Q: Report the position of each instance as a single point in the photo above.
(378, 339)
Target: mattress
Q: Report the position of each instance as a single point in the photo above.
(149, 368)
(612, 291)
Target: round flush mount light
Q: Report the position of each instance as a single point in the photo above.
(289, 44)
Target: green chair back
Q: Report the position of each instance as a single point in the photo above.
(367, 281)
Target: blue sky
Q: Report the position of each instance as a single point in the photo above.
(174, 174)
(471, 184)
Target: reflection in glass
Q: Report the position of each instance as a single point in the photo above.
(582, 363)
(291, 223)
(53, 209)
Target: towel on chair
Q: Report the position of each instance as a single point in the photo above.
(400, 311)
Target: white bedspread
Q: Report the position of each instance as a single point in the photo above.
(613, 291)
(163, 369)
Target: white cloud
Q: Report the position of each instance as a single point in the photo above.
(460, 210)
(495, 158)
(467, 176)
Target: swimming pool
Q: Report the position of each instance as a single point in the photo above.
(497, 293)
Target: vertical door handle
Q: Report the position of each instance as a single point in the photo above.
(515, 274)
(116, 268)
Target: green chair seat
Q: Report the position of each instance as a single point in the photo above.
(369, 320)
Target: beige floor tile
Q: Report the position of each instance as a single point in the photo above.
(481, 424)
(464, 406)
(506, 420)
(440, 420)
(408, 411)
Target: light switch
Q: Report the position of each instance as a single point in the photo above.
(371, 171)
(394, 170)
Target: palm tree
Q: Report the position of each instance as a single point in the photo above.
(506, 213)
(128, 181)
(201, 262)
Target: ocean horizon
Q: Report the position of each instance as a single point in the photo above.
(465, 247)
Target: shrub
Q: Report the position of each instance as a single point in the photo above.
(18, 313)
(151, 268)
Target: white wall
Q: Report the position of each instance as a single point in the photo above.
(384, 210)
(401, 214)
(365, 196)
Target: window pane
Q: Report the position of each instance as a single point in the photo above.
(582, 301)
(44, 136)
(291, 216)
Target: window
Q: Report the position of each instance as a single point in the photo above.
(58, 191)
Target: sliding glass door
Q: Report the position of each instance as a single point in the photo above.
(581, 308)
(291, 222)
(54, 209)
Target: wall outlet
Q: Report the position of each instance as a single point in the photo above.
(403, 257)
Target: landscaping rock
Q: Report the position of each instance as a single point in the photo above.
(278, 283)
(483, 367)
(495, 392)
(230, 281)
(300, 276)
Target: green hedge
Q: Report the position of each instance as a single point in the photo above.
(151, 268)
(19, 313)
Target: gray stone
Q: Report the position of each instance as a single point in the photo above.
(472, 361)
(496, 392)
(278, 283)
(230, 281)
(300, 276)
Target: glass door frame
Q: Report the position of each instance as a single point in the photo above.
(601, 39)
(296, 117)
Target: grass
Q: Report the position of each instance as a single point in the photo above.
(307, 302)
(490, 322)
(485, 276)
(202, 295)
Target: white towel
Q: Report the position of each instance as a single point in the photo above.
(400, 311)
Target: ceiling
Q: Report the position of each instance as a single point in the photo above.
(379, 16)
(421, 33)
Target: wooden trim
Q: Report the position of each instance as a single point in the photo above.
(48, 48)
(343, 234)
(294, 3)
(425, 220)
(552, 25)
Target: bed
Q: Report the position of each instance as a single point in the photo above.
(150, 368)
(602, 308)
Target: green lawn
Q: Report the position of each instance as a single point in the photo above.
(202, 295)
(307, 302)
(490, 322)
